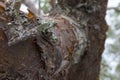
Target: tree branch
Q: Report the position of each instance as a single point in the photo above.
(114, 8)
(31, 6)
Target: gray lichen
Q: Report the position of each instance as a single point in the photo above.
(20, 28)
(80, 47)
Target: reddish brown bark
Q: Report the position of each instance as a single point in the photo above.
(25, 60)
(89, 66)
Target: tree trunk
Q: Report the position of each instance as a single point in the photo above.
(67, 45)
(89, 66)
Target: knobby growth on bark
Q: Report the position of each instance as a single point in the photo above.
(66, 45)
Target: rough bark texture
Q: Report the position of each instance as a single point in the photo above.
(42, 57)
(89, 66)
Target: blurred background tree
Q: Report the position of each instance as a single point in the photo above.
(110, 68)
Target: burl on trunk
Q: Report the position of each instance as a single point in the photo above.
(66, 45)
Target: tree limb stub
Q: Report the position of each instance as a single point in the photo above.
(56, 42)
